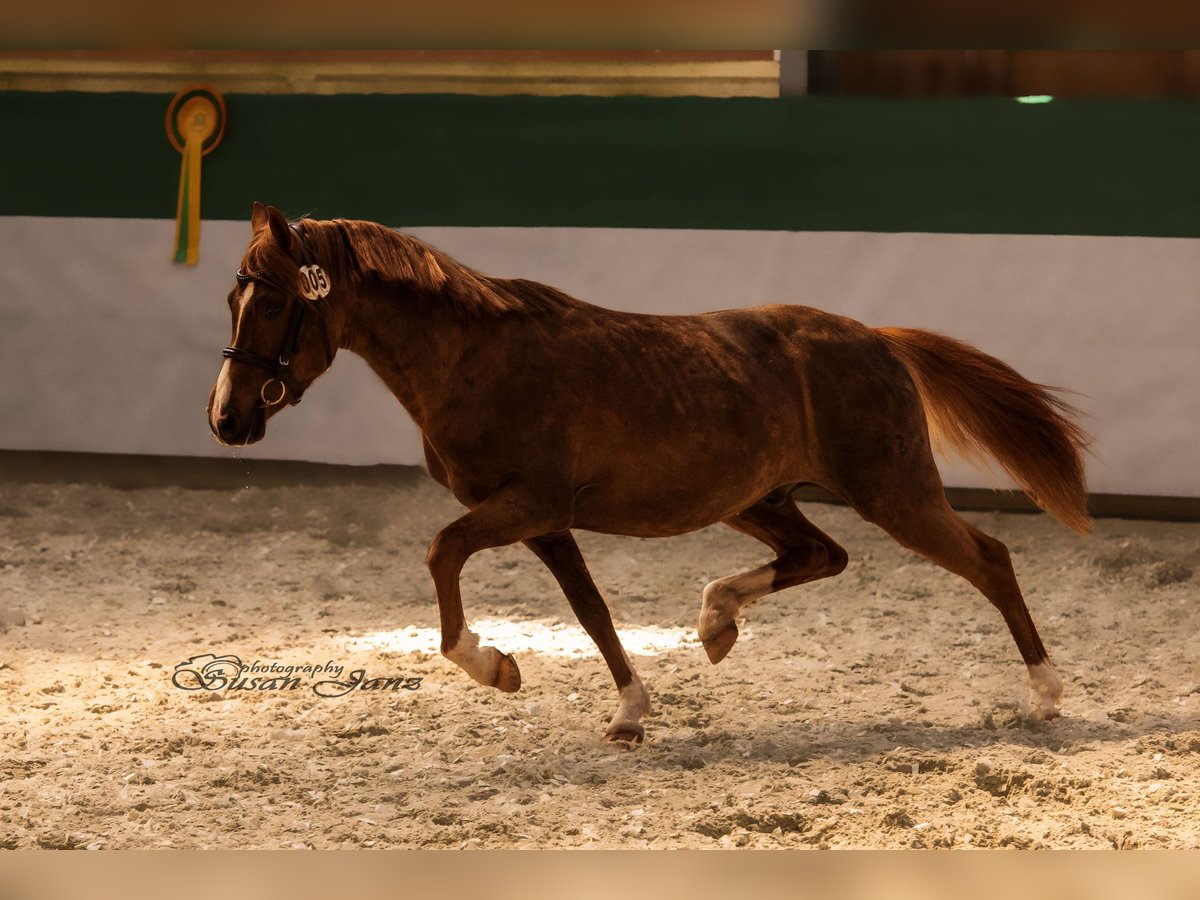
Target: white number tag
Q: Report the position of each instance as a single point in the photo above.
(313, 282)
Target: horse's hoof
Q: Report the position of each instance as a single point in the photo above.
(1043, 708)
(627, 732)
(718, 646)
(1045, 691)
(508, 676)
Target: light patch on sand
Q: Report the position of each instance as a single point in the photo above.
(555, 639)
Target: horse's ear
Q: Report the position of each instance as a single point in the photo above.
(258, 217)
(280, 229)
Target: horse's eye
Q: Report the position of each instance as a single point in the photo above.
(273, 310)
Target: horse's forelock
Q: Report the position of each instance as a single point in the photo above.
(271, 263)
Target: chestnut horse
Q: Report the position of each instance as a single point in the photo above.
(543, 414)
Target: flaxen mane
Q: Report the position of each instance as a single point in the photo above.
(367, 251)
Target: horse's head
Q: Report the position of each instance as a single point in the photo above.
(283, 336)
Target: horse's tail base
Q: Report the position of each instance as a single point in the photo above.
(983, 407)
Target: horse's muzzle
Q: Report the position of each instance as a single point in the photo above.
(239, 429)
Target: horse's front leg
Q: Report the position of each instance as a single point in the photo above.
(513, 513)
(561, 555)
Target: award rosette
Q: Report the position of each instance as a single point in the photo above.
(195, 125)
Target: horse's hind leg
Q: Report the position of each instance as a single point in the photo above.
(804, 553)
(919, 518)
(561, 555)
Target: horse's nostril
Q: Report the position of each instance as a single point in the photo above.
(227, 425)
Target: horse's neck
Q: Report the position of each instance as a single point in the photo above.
(412, 346)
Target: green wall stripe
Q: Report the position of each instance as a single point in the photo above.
(977, 166)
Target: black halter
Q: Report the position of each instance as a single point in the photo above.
(280, 366)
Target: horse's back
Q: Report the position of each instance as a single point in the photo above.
(706, 413)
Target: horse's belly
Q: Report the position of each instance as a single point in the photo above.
(665, 506)
(647, 522)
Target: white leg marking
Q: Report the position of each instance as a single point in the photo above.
(717, 609)
(633, 706)
(733, 592)
(481, 663)
(1045, 690)
(750, 585)
(725, 597)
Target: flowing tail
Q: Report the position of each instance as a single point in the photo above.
(982, 406)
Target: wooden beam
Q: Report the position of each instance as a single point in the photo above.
(259, 73)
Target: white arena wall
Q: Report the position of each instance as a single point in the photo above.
(107, 346)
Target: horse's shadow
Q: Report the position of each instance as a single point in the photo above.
(857, 741)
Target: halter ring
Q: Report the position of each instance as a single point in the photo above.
(263, 393)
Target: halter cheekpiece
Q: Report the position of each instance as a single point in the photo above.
(280, 366)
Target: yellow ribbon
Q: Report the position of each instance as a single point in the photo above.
(197, 120)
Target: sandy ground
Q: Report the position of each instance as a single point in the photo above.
(883, 708)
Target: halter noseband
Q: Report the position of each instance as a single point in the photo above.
(280, 366)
